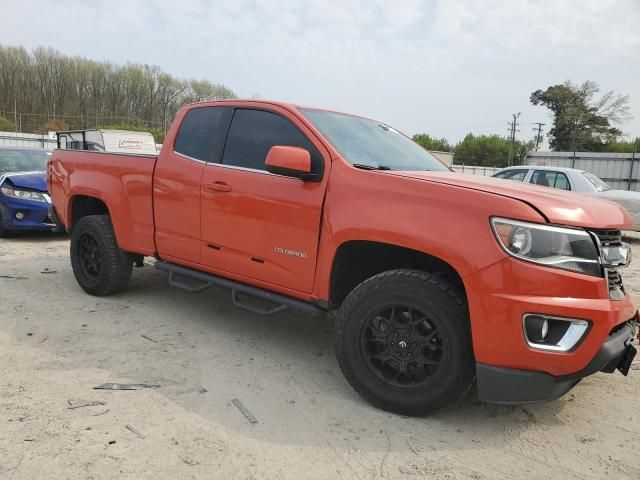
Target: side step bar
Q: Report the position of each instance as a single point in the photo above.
(206, 280)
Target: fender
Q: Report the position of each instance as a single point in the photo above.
(431, 218)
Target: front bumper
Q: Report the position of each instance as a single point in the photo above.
(36, 214)
(508, 369)
(512, 386)
(59, 226)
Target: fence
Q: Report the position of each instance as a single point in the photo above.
(620, 170)
(38, 122)
(485, 171)
(33, 140)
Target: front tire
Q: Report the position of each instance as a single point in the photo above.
(403, 342)
(100, 267)
(3, 232)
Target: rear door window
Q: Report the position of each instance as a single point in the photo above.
(197, 132)
(548, 178)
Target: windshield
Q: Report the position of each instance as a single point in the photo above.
(598, 184)
(23, 160)
(364, 142)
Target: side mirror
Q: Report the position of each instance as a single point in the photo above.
(290, 161)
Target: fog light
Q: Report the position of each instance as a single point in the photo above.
(553, 333)
(19, 216)
(536, 328)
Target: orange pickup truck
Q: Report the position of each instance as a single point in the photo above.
(437, 280)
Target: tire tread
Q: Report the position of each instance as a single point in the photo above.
(412, 280)
(119, 263)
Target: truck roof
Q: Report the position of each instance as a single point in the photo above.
(287, 105)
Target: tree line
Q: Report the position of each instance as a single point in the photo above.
(482, 150)
(583, 120)
(44, 88)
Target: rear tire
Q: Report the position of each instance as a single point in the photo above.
(100, 267)
(403, 342)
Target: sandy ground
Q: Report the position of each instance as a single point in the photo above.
(57, 343)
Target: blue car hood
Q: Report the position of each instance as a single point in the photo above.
(28, 180)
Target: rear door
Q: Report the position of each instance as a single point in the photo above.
(257, 224)
(177, 182)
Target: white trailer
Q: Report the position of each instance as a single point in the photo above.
(111, 141)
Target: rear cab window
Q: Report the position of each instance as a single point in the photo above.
(197, 132)
(597, 182)
(252, 133)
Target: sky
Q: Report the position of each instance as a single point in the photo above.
(442, 67)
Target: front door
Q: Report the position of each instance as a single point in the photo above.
(256, 224)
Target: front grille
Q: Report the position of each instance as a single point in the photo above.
(609, 237)
(616, 287)
(612, 238)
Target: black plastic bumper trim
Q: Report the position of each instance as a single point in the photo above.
(511, 386)
(58, 225)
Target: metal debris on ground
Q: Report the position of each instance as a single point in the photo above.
(101, 413)
(148, 338)
(13, 277)
(202, 390)
(124, 386)
(134, 431)
(46, 270)
(244, 411)
(71, 404)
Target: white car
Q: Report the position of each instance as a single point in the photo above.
(577, 181)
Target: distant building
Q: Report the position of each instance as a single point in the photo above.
(446, 157)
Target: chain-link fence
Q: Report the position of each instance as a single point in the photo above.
(43, 123)
(475, 170)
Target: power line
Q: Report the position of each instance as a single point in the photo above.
(513, 126)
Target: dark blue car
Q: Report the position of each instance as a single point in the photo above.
(24, 201)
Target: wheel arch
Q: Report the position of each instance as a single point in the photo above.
(81, 205)
(357, 260)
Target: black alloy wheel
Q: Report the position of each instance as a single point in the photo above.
(89, 254)
(403, 347)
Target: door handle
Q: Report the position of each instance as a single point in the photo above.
(218, 187)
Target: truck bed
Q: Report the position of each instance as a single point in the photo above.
(122, 178)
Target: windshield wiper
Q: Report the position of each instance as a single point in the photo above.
(364, 166)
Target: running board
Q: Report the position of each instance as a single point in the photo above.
(178, 274)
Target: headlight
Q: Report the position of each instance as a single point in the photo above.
(566, 248)
(24, 194)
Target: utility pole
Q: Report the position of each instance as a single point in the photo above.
(539, 134)
(513, 127)
(15, 113)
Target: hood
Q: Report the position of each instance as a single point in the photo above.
(558, 206)
(28, 180)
